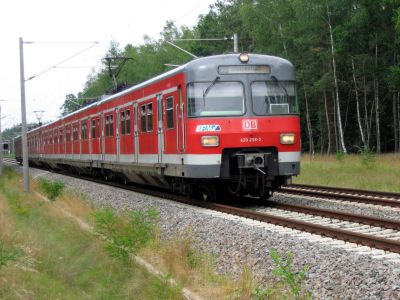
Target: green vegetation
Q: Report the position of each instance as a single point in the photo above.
(45, 254)
(364, 171)
(125, 234)
(52, 189)
(48, 251)
(346, 53)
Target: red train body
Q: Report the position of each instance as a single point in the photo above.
(216, 123)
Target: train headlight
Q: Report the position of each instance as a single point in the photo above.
(244, 57)
(287, 138)
(210, 141)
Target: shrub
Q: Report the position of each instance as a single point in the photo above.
(368, 157)
(127, 233)
(52, 189)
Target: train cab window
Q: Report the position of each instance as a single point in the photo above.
(143, 118)
(215, 98)
(273, 97)
(170, 112)
(149, 117)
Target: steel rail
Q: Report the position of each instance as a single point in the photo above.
(345, 235)
(356, 218)
(379, 194)
(339, 194)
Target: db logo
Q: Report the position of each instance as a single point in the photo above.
(249, 125)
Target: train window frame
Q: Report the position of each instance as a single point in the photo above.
(75, 133)
(60, 136)
(93, 128)
(122, 122)
(143, 118)
(149, 116)
(128, 121)
(109, 125)
(83, 130)
(168, 111)
(216, 115)
(68, 133)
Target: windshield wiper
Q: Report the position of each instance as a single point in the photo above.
(276, 81)
(209, 88)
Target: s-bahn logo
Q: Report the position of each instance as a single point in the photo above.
(249, 125)
(208, 128)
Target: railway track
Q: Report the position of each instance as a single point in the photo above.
(368, 231)
(351, 195)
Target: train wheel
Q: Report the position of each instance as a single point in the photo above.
(266, 195)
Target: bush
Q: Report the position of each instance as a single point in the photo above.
(368, 157)
(127, 233)
(52, 189)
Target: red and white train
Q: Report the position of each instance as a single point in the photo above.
(221, 123)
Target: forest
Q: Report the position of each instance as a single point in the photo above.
(346, 54)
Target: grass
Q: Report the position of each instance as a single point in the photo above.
(46, 255)
(362, 171)
(48, 251)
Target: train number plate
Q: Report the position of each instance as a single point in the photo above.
(250, 139)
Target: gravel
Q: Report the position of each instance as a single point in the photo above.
(334, 273)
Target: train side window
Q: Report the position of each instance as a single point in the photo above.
(55, 136)
(61, 139)
(149, 117)
(170, 112)
(128, 121)
(122, 122)
(83, 131)
(111, 123)
(143, 118)
(75, 133)
(107, 126)
(68, 134)
(93, 129)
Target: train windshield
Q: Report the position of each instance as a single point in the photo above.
(215, 98)
(274, 97)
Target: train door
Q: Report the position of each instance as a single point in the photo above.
(160, 130)
(117, 133)
(102, 147)
(180, 122)
(135, 131)
(95, 138)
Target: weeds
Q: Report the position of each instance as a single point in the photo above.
(52, 189)
(340, 155)
(6, 255)
(283, 270)
(126, 233)
(367, 156)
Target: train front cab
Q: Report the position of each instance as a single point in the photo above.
(243, 127)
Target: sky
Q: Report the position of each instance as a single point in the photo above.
(59, 29)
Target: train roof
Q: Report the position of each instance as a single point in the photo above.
(197, 69)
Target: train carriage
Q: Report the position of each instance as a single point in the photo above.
(224, 123)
